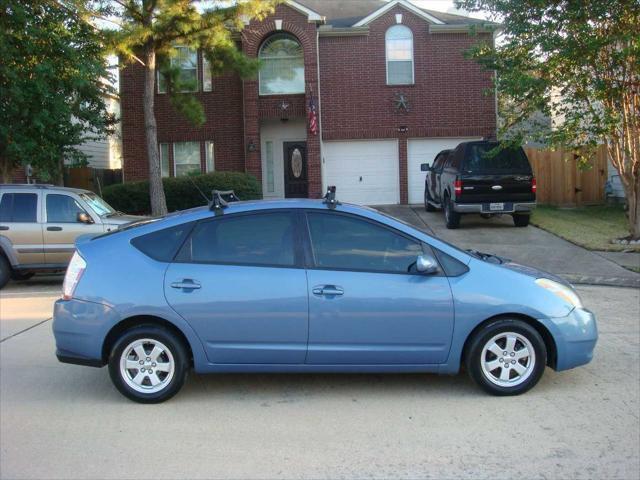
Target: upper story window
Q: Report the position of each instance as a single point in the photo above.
(186, 60)
(399, 48)
(282, 68)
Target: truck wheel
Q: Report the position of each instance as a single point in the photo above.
(427, 206)
(5, 271)
(452, 218)
(521, 220)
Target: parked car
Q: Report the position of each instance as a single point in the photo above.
(40, 223)
(477, 177)
(308, 286)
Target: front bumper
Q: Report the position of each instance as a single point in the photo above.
(482, 207)
(576, 336)
(79, 328)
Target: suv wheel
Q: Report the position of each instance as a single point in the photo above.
(520, 220)
(452, 218)
(427, 206)
(5, 271)
(506, 357)
(148, 364)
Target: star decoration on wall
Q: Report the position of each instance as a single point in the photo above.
(401, 101)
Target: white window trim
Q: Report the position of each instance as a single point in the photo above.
(175, 164)
(386, 57)
(197, 69)
(204, 70)
(206, 156)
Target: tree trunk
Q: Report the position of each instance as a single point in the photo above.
(156, 190)
(6, 170)
(632, 192)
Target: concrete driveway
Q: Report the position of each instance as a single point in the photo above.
(65, 421)
(528, 246)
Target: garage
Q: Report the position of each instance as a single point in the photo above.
(364, 171)
(424, 150)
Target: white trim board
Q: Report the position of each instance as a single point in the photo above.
(403, 3)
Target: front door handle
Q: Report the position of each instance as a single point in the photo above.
(4, 227)
(186, 284)
(328, 290)
(54, 229)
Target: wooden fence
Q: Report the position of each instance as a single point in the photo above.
(93, 179)
(560, 181)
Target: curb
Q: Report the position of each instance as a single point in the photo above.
(602, 281)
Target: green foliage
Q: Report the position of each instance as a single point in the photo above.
(52, 72)
(180, 192)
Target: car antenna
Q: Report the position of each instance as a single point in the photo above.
(330, 198)
(206, 199)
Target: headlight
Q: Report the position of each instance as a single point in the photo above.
(560, 290)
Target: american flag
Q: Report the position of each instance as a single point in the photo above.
(313, 118)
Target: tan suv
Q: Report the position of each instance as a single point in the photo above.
(40, 223)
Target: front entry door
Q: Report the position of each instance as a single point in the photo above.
(296, 179)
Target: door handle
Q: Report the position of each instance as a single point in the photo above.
(54, 229)
(186, 284)
(3, 227)
(328, 290)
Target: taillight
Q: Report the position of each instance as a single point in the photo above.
(534, 185)
(75, 270)
(457, 187)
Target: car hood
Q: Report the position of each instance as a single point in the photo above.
(534, 272)
(119, 220)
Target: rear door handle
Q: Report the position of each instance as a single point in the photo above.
(54, 229)
(328, 290)
(186, 284)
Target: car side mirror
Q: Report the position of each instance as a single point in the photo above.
(426, 264)
(84, 217)
(425, 167)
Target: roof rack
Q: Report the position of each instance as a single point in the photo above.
(220, 200)
(27, 185)
(330, 198)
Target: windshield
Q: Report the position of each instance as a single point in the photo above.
(97, 204)
(481, 158)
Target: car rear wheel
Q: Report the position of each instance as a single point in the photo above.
(427, 206)
(5, 271)
(506, 357)
(148, 364)
(521, 220)
(452, 218)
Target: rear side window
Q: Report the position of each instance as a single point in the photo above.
(19, 207)
(259, 239)
(341, 242)
(162, 245)
(62, 209)
(481, 158)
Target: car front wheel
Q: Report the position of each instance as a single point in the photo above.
(506, 357)
(148, 364)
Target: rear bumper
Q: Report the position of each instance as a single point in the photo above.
(478, 207)
(576, 336)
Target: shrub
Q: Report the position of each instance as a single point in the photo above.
(133, 197)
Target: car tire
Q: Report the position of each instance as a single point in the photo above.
(5, 271)
(451, 217)
(427, 206)
(148, 382)
(507, 374)
(21, 276)
(520, 220)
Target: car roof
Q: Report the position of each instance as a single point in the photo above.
(40, 186)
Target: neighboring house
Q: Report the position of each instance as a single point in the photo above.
(388, 81)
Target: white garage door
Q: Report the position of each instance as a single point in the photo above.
(364, 171)
(424, 150)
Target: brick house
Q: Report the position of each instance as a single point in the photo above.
(388, 80)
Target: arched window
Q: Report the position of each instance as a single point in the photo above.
(399, 47)
(282, 68)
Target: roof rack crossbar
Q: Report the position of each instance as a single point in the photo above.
(330, 198)
(220, 200)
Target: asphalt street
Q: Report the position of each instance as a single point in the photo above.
(65, 421)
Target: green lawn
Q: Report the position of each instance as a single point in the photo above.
(590, 227)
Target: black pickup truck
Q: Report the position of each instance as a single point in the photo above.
(473, 178)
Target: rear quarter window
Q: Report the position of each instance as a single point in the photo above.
(19, 207)
(162, 245)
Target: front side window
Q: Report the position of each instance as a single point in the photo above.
(62, 209)
(282, 65)
(186, 61)
(261, 239)
(186, 158)
(399, 48)
(19, 207)
(345, 243)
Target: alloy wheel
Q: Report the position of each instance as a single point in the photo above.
(147, 365)
(508, 359)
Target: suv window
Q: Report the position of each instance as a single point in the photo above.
(437, 163)
(346, 243)
(62, 209)
(481, 158)
(255, 239)
(19, 207)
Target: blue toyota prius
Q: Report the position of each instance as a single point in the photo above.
(308, 286)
